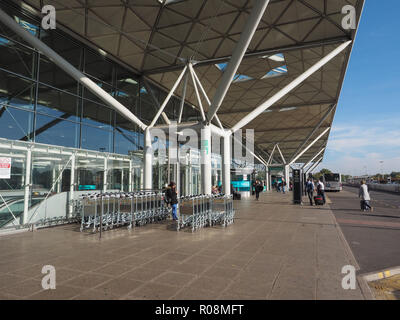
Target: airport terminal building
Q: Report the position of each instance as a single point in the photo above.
(78, 102)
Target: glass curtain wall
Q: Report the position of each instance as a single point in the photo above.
(57, 175)
(12, 187)
(40, 102)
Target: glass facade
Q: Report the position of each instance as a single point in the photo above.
(39, 102)
(68, 141)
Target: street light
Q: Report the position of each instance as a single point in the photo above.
(381, 162)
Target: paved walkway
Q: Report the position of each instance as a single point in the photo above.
(274, 250)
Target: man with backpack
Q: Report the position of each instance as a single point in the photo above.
(310, 187)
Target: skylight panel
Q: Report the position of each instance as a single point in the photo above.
(143, 90)
(279, 57)
(276, 72)
(26, 25)
(241, 78)
(221, 66)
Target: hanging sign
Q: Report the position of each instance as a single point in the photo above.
(5, 168)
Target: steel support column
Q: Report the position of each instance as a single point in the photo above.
(148, 88)
(271, 155)
(196, 90)
(280, 152)
(183, 98)
(71, 186)
(287, 175)
(130, 176)
(27, 187)
(205, 159)
(164, 104)
(59, 181)
(267, 179)
(204, 94)
(226, 165)
(147, 161)
(246, 36)
(178, 176)
(105, 174)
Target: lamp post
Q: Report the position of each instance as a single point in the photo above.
(381, 162)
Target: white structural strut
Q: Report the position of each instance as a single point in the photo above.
(105, 174)
(183, 98)
(313, 158)
(203, 116)
(70, 69)
(205, 94)
(148, 88)
(205, 158)
(219, 122)
(147, 161)
(28, 167)
(218, 131)
(280, 152)
(72, 185)
(270, 156)
(331, 108)
(279, 95)
(226, 165)
(314, 165)
(251, 152)
(287, 174)
(168, 97)
(310, 145)
(246, 36)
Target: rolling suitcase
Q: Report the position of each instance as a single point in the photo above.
(237, 196)
(318, 201)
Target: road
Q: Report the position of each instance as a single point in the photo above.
(374, 237)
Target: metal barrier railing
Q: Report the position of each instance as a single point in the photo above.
(103, 211)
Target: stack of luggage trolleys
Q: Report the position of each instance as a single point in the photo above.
(205, 210)
(109, 210)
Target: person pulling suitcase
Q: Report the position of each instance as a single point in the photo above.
(365, 197)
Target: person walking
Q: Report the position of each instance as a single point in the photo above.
(172, 198)
(283, 186)
(310, 187)
(258, 188)
(321, 189)
(365, 197)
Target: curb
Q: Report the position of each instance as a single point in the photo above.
(383, 274)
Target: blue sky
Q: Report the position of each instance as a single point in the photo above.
(366, 128)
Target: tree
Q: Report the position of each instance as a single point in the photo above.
(395, 174)
(322, 172)
(325, 171)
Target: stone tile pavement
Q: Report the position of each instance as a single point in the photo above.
(274, 250)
